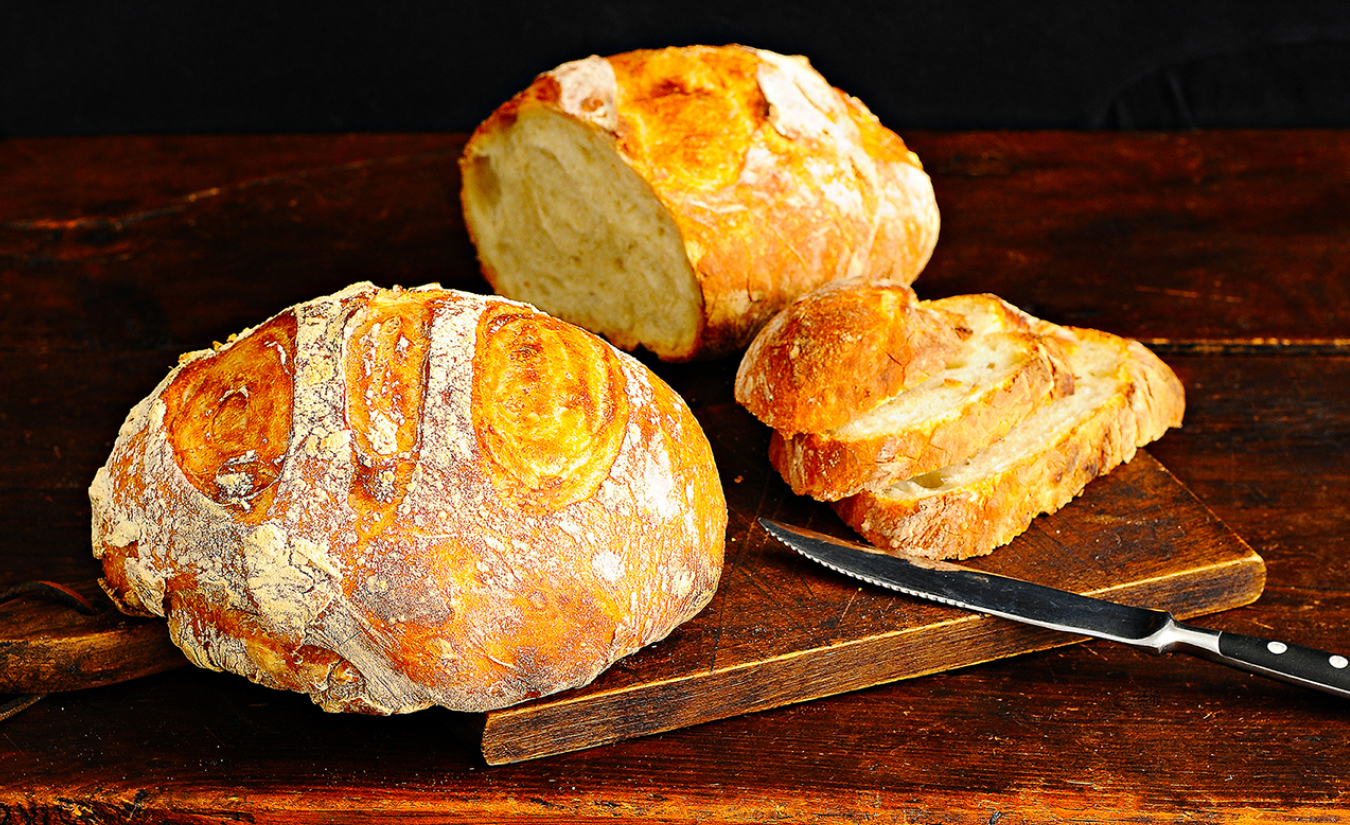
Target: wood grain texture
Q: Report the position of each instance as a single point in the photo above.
(166, 243)
(1241, 227)
(47, 647)
(1218, 239)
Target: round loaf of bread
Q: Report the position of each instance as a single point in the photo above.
(390, 499)
(677, 198)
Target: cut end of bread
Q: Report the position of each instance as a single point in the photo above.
(678, 198)
(1001, 371)
(603, 252)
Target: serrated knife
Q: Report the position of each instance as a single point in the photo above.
(1037, 604)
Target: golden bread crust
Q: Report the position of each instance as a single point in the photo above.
(777, 182)
(841, 351)
(389, 499)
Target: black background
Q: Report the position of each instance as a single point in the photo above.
(147, 66)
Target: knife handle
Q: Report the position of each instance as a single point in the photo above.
(1296, 664)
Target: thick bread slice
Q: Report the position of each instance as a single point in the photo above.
(1008, 366)
(841, 351)
(1124, 397)
(677, 198)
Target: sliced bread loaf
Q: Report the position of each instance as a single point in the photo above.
(1123, 398)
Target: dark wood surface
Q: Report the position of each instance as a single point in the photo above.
(1227, 251)
(56, 637)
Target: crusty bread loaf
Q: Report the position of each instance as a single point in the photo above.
(1006, 367)
(677, 198)
(841, 351)
(389, 499)
(1123, 398)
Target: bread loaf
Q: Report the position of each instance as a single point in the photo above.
(676, 199)
(1006, 368)
(390, 499)
(1123, 398)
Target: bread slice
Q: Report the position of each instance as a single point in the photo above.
(1007, 366)
(1124, 397)
(676, 199)
(841, 351)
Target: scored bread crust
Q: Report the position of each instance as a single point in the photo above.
(692, 193)
(1007, 366)
(1124, 398)
(390, 499)
(841, 351)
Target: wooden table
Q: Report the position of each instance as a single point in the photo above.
(1229, 252)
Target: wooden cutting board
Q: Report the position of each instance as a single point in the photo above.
(782, 629)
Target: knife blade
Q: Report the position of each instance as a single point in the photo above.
(1156, 631)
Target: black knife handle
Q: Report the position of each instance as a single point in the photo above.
(1306, 666)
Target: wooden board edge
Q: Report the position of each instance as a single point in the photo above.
(47, 646)
(589, 720)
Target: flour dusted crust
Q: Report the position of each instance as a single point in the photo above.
(390, 499)
(677, 198)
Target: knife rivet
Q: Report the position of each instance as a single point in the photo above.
(1276, 647)
(1339, 661)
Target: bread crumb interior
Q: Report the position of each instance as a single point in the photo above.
(602, 251)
